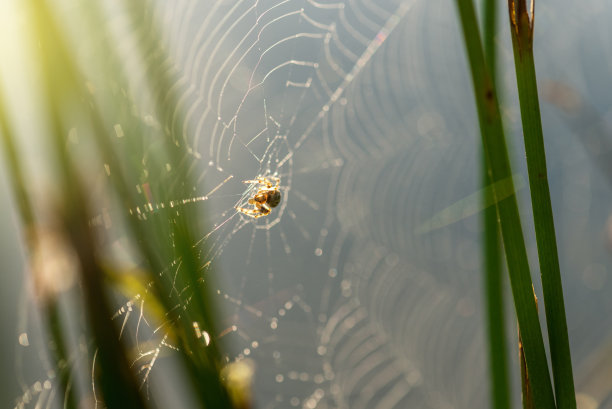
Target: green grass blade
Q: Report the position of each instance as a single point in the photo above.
(521, 28)
(494, 296)
(489, 25)
(498, 166)
(58, 90)
(473, 204)
(208, 360)
(49, 306)
(493, 272)
(525, 384)
(203, 362)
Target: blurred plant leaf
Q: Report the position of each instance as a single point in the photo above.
(473, 204)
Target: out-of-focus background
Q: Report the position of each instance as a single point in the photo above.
(354, 291)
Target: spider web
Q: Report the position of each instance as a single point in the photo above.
(353, 105)
(260, 84)
(292, 90)
(319, 293)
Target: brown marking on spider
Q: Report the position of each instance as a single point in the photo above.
(268, 196)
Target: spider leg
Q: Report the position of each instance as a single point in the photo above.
(262, 181)
(254, 213)
(262, 208)
(256, 181)
(272, 182)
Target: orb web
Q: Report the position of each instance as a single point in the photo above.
(256, 85)
(324, 293)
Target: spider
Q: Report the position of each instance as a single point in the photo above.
(267, 197)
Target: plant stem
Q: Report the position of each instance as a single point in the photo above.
(498, 166)
(50, 308)
(525, 384)
(202, 361)
(117, 380)
(521, 28)
(494, 294)
(489, 24)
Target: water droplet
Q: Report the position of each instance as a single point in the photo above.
(23, 339)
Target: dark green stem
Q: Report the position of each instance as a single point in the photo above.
(493, 277)
(498, 166)
(521, 28)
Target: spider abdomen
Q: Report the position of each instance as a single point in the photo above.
(274, 198)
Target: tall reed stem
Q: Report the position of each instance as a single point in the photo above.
(521, 29)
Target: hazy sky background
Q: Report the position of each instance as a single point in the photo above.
(340, 258)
